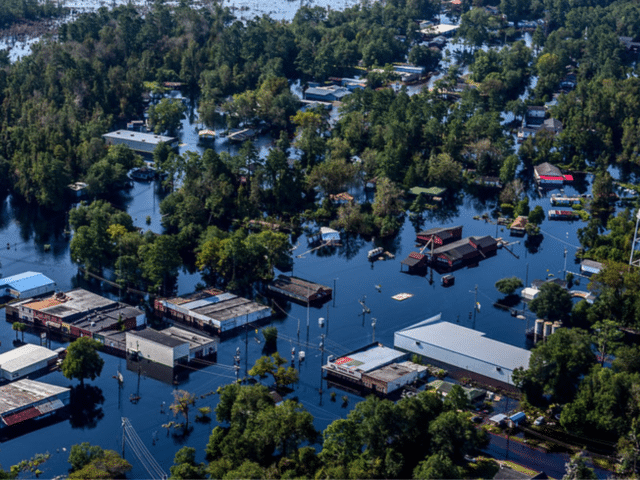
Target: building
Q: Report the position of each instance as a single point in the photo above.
(518, 227)
(444, 30)
(443, 388)
(24, 400)
(200, 346)
(25, 360)
(211, 309)
(460, 349)
(440, 235)
(388, 379)
(157, 347)
(299, 290)
(331, 93)
(516, 419)
(139, 142)
(546, 174)
(463, 252)
(561, 201)
(27, 284)
(78, 191)
(589, 267)
(352, 367)
(415, 262)
(77, 313)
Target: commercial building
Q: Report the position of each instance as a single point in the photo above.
(24, 400)
(25, 360)
(460, 349)
(27, 284)
(388, 379)
(157, 347)
(331, 93)
(138, 141)
(77, 313)
(200, 346)
(299, 290)
(463, 252)
(211, 309)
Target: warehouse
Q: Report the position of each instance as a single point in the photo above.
(27, 284)
(300, 290)
(211, 309)
(157, 347)
(392, 377)
(137, 141)
(352, 366)
(24, 400)
(455, 347)
(25, 360)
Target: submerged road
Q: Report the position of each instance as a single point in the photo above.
(553, 464)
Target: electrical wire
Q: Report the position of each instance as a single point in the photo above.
(147, 460)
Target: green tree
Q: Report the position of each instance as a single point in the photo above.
(576, 469)
(105, 466)
(274, 366)
(82, 454)
(556, 367)
(509, 285)
(185, 466)
(457, 399)
(553, 302)
(82, 360)
(606, 337)
(437, 466)
(454, 436)
(166, 116)
(536, 216)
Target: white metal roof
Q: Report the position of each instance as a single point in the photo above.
(370, 359)
(467, 342)
(21, 357)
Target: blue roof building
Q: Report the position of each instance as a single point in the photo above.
(27, 284)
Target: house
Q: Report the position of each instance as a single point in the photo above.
(589, 267)
(629, 44)
(518, 227)
(443, 388)
(546, 174)
(78, 190)
(534, 116)
(552, 125)
(414, 262)
(440, 235)
(27, 284)
(516, 419)
(144, 143)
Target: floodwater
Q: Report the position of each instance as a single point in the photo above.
(345, 267)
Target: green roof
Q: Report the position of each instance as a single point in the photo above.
(433, 191)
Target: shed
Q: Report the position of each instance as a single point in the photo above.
(27, 284)
(415, 261)
(498, 419)
(518, 227)
(158, 347)
(590, 267)
(516, 419)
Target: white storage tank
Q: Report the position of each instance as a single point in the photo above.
(539, 327)
(547, 329)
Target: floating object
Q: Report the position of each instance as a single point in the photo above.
(373, 254)
(301, 355)
(321, 322)
(448, 280)
(402, 296)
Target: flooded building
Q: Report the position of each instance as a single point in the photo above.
(24, 400)
(440, 235)
(464, 350)
(299, 290)
(138, 141)
(211, 309)
(26, 360)
(27, 284)
(157, 347)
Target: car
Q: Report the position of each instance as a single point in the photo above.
(477, 419)
(538, 421)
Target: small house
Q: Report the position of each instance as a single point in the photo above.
(157, 347)
(518, 227)
(500, 419)
(590, 267)
(516, 419)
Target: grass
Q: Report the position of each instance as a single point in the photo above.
(519, 468)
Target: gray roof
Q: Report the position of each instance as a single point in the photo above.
(370, 359)
(24, 356)
(24, 392)
(157, 337)
(468, 342)
(132, 136)
(547, 169)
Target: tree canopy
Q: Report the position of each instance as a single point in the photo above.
(82, 360)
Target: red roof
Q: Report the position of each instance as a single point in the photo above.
(568, 178)
(416, 255)
(21, 416)
(552, 177)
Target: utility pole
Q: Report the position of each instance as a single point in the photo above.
(373, 325)
(123, 436)
(475, 307)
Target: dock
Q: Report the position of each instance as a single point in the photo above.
(300, 290)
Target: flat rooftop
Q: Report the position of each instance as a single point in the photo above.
(71, 303)
(468, 342)
(138, 137)
(26, 281)
(392, 372)
(157, 337)
(219, 306)
(369, 360)
(23, 393)
(24, 356)
(195, 339)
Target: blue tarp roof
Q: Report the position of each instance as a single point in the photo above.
(25, 281)
(517, 417)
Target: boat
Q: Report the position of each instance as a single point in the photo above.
(375, 253)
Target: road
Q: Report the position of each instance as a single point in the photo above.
(551, 463)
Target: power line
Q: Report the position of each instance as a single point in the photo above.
(150, 464)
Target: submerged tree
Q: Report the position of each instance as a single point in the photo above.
(82, 360)
(182, 403)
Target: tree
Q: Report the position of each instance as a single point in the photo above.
(182, 403)
(104, 466)
(576, 469)
(606, 337)
(82, 360)
(454, 436)
(19, 327)
(556, 367)
(436, 466)
(536, 216)
(553, 302)
(508, 285)
(82, 454)
(166, 116)
(273, 365)
(444, 171)
(185, 466)
(457, 399)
